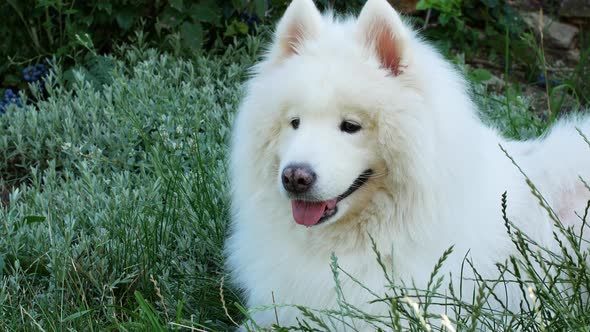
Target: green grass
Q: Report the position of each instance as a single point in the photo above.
(119, 208)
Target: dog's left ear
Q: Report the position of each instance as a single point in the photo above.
(383, 32)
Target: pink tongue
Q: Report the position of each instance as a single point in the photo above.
(309, 213)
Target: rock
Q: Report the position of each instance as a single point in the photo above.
(525, 5)
(575, 8)
(573, 55)
(556, 34)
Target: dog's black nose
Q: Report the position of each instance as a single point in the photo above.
(298, 178)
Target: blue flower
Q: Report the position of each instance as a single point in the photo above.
(250, 19)
(34, 73)
(29, 74)
(10, 98)
(8, 93)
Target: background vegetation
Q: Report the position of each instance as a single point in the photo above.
(114, 125)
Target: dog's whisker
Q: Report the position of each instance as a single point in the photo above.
(379, 175)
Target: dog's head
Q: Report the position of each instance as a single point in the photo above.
(335, 108)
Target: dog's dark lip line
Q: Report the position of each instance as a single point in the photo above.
(357, 183)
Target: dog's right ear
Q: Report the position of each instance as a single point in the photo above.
(301, 21)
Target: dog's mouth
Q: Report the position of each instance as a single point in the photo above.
(311, 213)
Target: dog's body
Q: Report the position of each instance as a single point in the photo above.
(357, 127)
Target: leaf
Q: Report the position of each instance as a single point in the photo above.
(69, 76)
(236, 28)
(424, 5)
(125, 18)
(490, 3)
(177, 4)
(33, 219)
(206, 11)
(480, 75)
(76, 315)
(149, 311)
(105, 6)
(260, 8)
(450, 7)
(87, 20)
(11, 79)
(97, 69)
(443, 19)
(2, 264)
(171, 17)
(191, 35)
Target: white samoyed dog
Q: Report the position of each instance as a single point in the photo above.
(355, 128)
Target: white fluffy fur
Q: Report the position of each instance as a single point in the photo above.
(439, 177)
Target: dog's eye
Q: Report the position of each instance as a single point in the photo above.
(295, 123)
(350, 127)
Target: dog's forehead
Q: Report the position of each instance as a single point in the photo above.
(317, 89)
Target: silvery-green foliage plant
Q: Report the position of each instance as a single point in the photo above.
(118, 193)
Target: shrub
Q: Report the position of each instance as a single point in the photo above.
(33, 29)
(119, 189)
